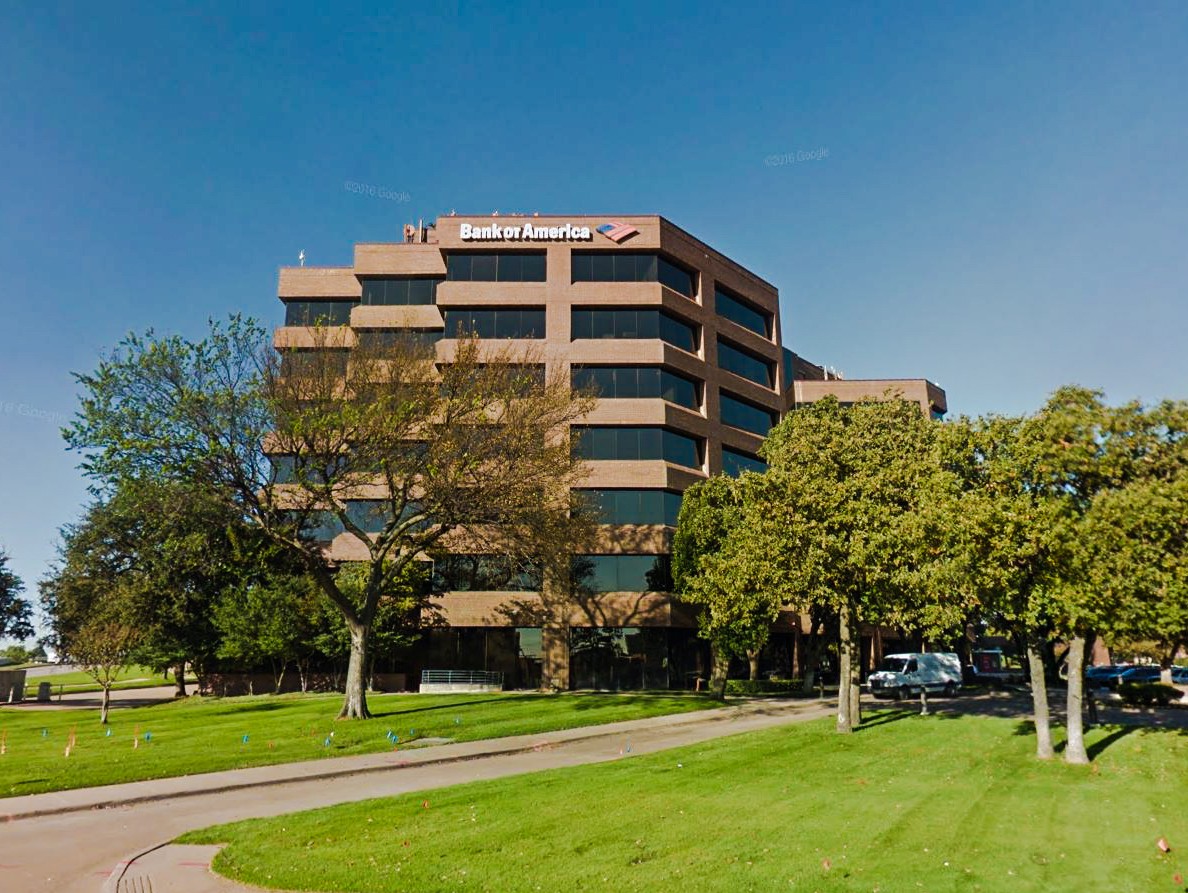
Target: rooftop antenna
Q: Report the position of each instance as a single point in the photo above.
(301, 257)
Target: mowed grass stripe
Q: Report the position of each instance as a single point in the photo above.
(917, 803)
(197, 735)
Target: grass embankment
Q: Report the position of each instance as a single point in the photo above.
(205, 735)
(908, 803)
(79, 681)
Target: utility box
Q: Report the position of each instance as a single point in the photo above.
(12, 686)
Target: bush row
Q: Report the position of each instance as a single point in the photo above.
(1148, 694)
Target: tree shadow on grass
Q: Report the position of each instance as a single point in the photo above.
(453, 705)
(882, 718)
(1101, 744)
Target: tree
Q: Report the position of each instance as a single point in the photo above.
(19, 654)
(1135, 560)
(264, 622)
(278, 621)
(1011, 534)
(855, 513)
(715, 566)
(155, 554)
(103, 646)
(16, 614)
(402, 454)
(1032, 484)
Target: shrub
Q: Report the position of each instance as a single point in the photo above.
(1148, 694)
(761, 686)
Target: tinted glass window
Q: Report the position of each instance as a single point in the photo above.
(502, 322)
(493, 573)
(379, 339)
(387, 292)
(735, 463)
(599, 323)
(736, 310)
(620, 382)
(744, 364)
(747, 416)
(533, 267)
(308, 361)
(677, 278)
(282, 469)
(789, 369)
(458, 267)
(633, 506)
(313, 313)
(483, 268)
(680, 390)
(507, 267)
(608, 443)
(677, 333)
(627, 266)
(370, 515)
(623, 573)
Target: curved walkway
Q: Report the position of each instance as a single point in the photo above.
(117, 837)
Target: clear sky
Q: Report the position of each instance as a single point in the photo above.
(992, 195)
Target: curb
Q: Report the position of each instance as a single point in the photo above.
(695, 717)
(111, 883)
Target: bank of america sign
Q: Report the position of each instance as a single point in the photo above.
(527, 232)
(616, 231)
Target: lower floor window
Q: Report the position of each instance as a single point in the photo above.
(623, 573)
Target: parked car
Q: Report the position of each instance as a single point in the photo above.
(904, 675)
(1140, 674)
(1180, 675)
(989, 665)
(1105, 676)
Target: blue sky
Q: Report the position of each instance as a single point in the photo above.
(1002, 208)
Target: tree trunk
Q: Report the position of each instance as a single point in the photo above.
(810, 657)
(855, 698)
(179, 678)
(105, 705)
(753, 660)
(1075, 751)
(720, 668)
(278, 677)
(844, 673)
(354, 703)
(1039, 700)
(303, 676)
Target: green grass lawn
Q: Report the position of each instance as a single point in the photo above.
(207, 734)
(908, 803)
(133, 677)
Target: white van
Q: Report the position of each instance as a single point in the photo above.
(904, 675)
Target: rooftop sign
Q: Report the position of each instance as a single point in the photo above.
(498, 232)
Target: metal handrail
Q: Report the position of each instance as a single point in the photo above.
(466, 677)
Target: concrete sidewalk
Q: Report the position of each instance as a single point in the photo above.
(129, 793)
(76, 840)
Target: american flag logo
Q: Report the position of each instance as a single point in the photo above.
(617, 231)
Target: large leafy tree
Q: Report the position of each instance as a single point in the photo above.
(154, 555)
(469, 454)
(1137, 564)
(1013, 540)
(16, 614)
(855, 513)
(1038, 552)
(717, 565)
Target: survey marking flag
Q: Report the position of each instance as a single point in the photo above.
(617, 231)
